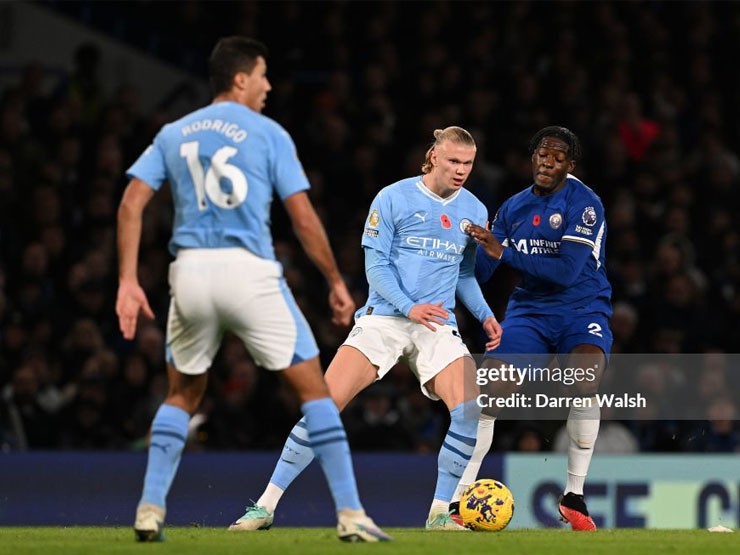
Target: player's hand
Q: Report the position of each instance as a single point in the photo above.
(427, 313)
(486, 239)
(131, 299)
(341, 303)
(493, 331)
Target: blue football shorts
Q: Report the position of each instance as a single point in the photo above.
(534, 339)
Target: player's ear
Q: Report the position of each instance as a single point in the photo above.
(571, 166)
(241, 79)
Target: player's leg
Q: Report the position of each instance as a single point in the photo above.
(457, 447)
(328, 441)
(583, 428)
(522, 342)
(278, 336)
(168, 436)
(349, 373)
(193, 337)
(446, 371)
(484, 432)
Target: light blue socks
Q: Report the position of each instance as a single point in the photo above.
(169, 433)
(456, 450)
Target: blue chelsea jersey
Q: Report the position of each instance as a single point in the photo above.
(423, 236)
(224, 163)
(536, 227)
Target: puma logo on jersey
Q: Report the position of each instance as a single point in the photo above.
(421, 215)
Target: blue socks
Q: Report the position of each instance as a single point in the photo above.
(457, 449)
(329, 444)
(169, 433)
(296, 456)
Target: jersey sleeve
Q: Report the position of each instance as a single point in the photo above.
(585, 220)
(381, 278)
(380, 224)
(290, 177)
(562, 269)
(467, 289)
(150, 167)
(377, 240)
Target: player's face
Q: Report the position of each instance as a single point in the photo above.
(257, 86)
(550, 165)
(452, 163)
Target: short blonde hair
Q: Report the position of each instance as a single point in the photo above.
(452, 133)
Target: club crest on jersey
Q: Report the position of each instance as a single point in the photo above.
(464, 223)
(589, 216)
(556, 220)
(445, 221)
(374, 218)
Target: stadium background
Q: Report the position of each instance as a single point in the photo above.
(651, 88)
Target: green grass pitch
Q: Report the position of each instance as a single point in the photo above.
(322, 541)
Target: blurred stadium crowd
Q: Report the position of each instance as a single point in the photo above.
(651, 88)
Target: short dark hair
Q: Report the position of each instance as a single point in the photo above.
(562, 133)
(230, 56)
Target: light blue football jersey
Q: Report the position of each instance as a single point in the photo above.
(424, 237)
(224, 164)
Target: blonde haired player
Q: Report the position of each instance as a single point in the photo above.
(418, 256)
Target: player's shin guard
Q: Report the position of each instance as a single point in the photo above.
(583, 428)
(169, 433)
(455, 453)
(329, 444)
(483, 441)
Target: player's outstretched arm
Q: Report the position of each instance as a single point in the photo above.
(561, 270)
(131, 298)
(312, 235)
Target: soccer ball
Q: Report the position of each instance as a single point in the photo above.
(486, 505)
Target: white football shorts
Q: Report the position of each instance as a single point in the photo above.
(231, 289)
(385, 340)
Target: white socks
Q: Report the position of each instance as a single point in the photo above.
(270, 498)
(583, 428)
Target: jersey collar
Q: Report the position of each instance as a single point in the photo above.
(434, 196)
